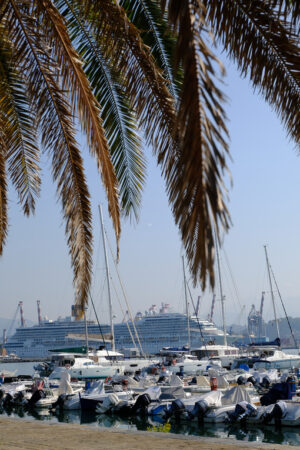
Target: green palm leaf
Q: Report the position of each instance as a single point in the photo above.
(20, 133)
(119, 121)
(266, 49)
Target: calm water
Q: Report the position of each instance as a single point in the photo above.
(267, 434)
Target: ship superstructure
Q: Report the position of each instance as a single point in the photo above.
(157, 328)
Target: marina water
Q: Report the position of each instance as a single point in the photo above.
(284, 435)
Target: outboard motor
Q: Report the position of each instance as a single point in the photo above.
(242, 410)
(241, 380)
(177, 409)
(59, 402)
(252, 380)
(265, 383)
(141, 405)
(7, 401)
(279, 391)
(36, 396)
(277, 413)
(200, 409)
(19, 398)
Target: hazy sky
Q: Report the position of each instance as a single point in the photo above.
(264, 209)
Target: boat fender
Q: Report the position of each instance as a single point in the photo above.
(278, 412)
(200, 409)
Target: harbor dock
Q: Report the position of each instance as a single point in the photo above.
(22, 434)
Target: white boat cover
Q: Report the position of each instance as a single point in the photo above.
(235, 395)
(154, 392)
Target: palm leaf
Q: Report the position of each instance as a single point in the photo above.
(20, 136)
(147, 16)
(119, 121)
(40, 74)
(195, 187)
(3, 184)
(266, 49)
(75, 82)
(145, 85)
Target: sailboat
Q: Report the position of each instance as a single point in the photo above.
(271, 356)
(224, 353)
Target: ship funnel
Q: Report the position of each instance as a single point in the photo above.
(22, 314)
(39, 311)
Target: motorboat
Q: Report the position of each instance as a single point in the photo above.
(84, 368)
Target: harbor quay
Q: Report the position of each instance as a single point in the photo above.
(23, 434)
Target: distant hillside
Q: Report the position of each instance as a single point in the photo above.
(6, 324)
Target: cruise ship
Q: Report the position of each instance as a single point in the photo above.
(157, 328)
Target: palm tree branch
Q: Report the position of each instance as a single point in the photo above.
(3, 186)
(264, 47)
(145, 84)
(23, 154)
(147, 16)
(119, 121)
(75, 81)
(58, 137)
(195, 187)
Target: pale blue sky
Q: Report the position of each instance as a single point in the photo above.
(264, 208)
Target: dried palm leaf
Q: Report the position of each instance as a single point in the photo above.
(57, 135)
(195, 185)
(3, 185)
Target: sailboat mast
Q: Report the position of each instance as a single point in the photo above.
(86, 333)
(108, 281)
(186, 305)
(221, 292)
(272, 293)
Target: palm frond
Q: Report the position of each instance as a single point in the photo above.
(195, 187)
(75, 82)
(57, 136)
(119, 120)
(264, 48)
(3, 185)
(145, 85)
(147, 16)
(20, 136)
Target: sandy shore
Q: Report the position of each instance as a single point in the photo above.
(22, 434)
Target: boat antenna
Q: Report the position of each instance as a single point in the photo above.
(272, 293)
(221, 291)
(108, 281)
(288, 321)
(186, 305)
